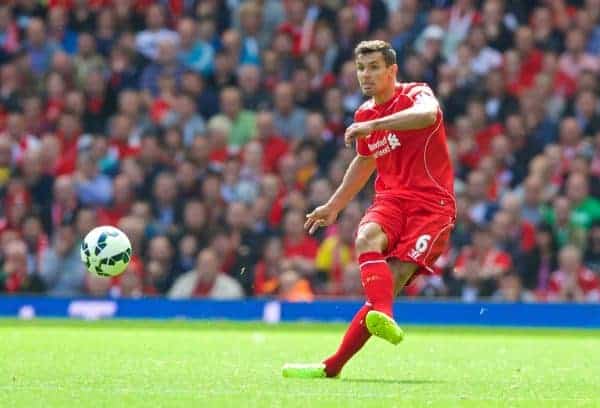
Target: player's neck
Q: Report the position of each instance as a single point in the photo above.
(385, 95)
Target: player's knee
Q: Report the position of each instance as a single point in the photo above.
(369, 242)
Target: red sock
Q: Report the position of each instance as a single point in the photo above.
(377, 280)
(356, 336)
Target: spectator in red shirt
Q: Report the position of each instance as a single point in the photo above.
(121, 203)
(119, 132)
(14, 276)
(572, 281)
(531, 58)
(298, 246)
(479, 265)
(297, 26)
(274, 146)
(69, 131)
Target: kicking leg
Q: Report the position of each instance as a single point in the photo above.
(377, 281)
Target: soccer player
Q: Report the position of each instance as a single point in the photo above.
(400, 132)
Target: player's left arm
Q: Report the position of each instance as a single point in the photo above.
(422, 114)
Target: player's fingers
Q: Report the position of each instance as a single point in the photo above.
(315, 226)
(308, 223)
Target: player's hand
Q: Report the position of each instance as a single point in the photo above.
(357, 130)
(322, 216)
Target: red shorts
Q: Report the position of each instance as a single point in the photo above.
(414, 235)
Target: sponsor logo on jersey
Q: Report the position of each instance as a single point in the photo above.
(385, 145)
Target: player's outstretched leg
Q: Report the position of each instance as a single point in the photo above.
(356, 336)
(378, 283)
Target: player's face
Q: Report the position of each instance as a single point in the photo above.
(374, 76)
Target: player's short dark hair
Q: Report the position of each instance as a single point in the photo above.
(368, 47)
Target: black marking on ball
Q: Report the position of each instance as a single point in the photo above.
(101, 244)
(124, 257)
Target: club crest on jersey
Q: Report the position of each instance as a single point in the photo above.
(385, 145)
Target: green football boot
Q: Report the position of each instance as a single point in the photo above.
(381, 325)
(314, 370)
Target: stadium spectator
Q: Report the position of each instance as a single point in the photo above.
(39, 50)
(62, 271)
(532, 199)
(289, 120)
(93, 188)
(592, 253)
(336, 251)
(575, 59)
(479, 265)
(481, 208)
(245, 245)
(509, 289)
(536, 266)
(267, 271)
(194, 54)
(298, 247)
(160, 266)
(9, 88)
(148, 41)
(572, 281)
(294, 288)
(36, 239)
(120, 205)
(14, 274)
(9, 42)
(59, 32)
(205, 280)
(273, 145)
(254, 96)
(242, 121)
(351, 286)
(586, 209)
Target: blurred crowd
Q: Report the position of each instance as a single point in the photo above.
(207, 129)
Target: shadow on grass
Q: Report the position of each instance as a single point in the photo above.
(383, 381)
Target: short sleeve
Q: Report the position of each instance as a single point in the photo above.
(422, 94)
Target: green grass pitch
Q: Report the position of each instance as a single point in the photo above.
(215, 364)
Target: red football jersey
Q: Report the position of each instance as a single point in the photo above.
(412, 165)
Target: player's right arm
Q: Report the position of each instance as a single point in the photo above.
(357, 175)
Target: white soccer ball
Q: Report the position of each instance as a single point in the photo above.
(106, 251)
